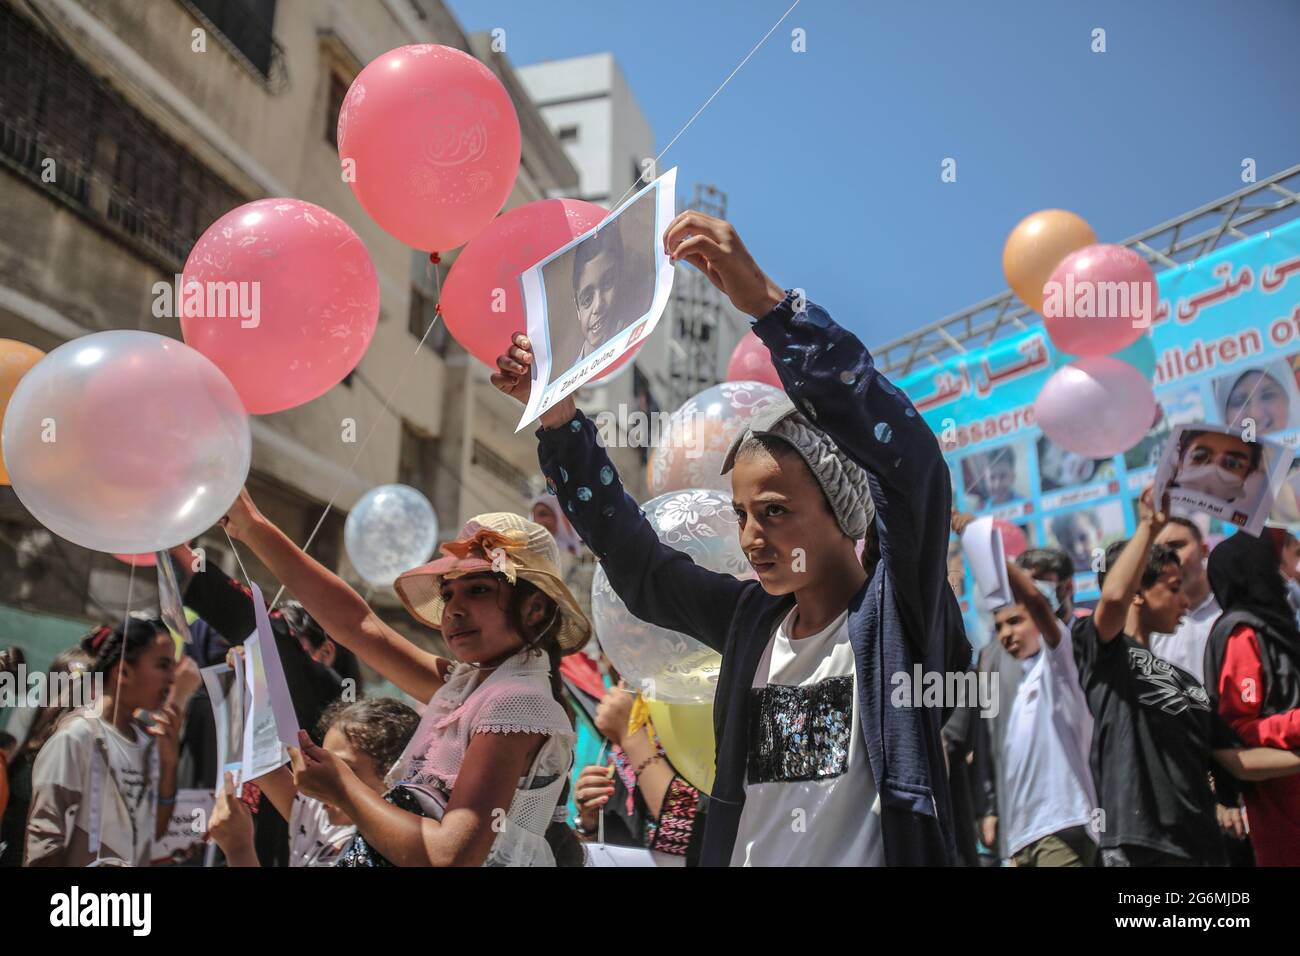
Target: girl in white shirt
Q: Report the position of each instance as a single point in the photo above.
(103, 786)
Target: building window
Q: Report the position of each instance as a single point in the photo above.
(338, 90)
(567, 134)
(645, 403)
(246, 26)
(509, 475)
(417, 464)
(106, 160)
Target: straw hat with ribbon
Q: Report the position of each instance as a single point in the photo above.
(506, 544)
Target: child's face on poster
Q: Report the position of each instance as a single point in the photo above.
(594, 297)
(1216, 464)
(1001, 481)
(1257, 396)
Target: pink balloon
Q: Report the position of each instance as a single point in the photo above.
(1100, 299)
(752, 362)
(1014, 542)
(429, 142)
(308, 300)
(147, 560)
(1096, 407)
(481, 302)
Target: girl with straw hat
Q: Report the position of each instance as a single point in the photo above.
(481, 779)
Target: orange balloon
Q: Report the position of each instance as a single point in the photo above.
(15, 359)
(1036, 247)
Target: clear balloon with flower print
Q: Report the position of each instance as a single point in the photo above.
(667, 665)
(690, 452)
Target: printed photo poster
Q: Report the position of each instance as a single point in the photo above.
(1286, 506)
(1215, 470)
(598, 297)
(996, 477)
(171, 605)
(1059, 468)
(1223, 348)
(186, 827)
(1085, 533)
(225, 686)
(263, 751)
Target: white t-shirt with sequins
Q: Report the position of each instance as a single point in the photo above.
(810, 797)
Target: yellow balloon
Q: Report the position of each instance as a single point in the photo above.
(1036, 247)
(15, 359)
(686, 732)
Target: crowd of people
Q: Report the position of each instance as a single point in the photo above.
(1157, 730)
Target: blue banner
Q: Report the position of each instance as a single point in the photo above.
(1224, 345)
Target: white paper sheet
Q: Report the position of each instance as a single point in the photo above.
(981, 543)
(605, 854)
(286, 720)
(1216, 470)
(181, 841)
(225, 687)
(599, 296)
(170, 603)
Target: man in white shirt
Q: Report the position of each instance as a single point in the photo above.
(1186, 646)
(1047, 796)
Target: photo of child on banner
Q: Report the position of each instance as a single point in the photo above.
(1215, 470)
(595, 299)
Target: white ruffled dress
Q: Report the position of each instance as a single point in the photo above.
(513, 699)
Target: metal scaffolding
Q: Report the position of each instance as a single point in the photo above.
(695, 314)
(1260, 206)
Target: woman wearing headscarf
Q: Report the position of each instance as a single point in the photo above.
(1252, 673)
(1266, 395)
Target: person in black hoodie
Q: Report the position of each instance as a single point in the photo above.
(226, 605)
(811, 649)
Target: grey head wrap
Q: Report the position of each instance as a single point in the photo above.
(842, 480)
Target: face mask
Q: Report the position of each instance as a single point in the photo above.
(1048, 590)
(1212, 480)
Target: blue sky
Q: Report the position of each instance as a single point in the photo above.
(831, 158)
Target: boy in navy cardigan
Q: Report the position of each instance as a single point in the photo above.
(820, 761)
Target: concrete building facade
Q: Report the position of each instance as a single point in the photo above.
(157, 118)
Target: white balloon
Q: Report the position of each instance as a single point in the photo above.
(392, 529)
(666, 665)
(700, 432)
(126, 442)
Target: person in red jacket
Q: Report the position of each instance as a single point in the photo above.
(1252, 672)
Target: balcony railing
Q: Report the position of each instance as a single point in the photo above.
(71, 135)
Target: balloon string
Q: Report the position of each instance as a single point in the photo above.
(600, 814)
(710, 99)
(437, 284)
(121, 661)
(238, 560)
